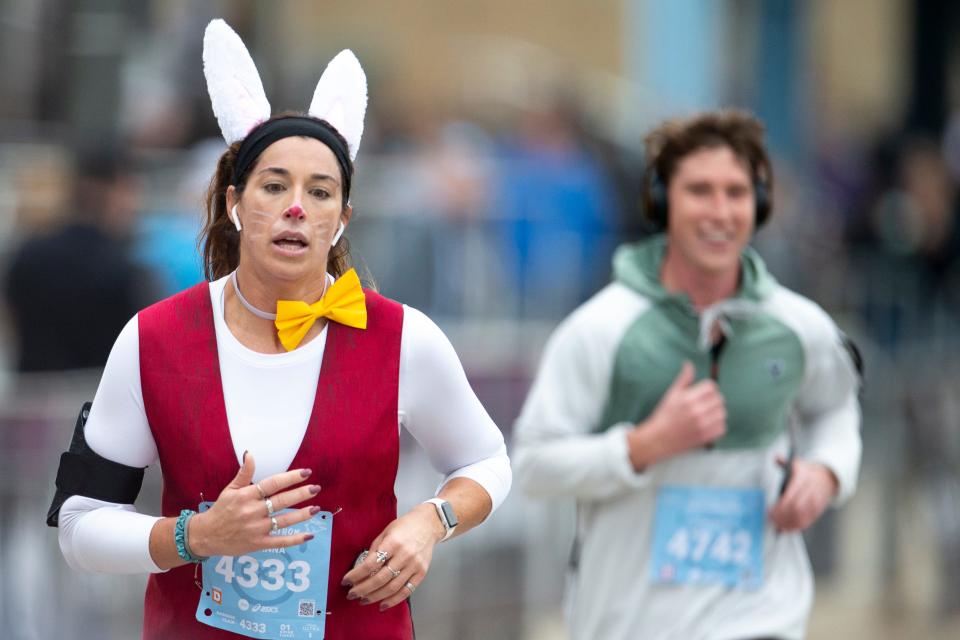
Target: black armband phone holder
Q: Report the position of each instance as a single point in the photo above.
(83, 472)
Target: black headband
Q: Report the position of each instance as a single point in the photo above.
(279, 128)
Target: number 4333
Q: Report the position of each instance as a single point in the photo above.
(271, 574)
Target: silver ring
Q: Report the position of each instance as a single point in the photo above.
(392, 570)
(363, 556)
(273, 525)
(411, 586)
(382, 556)
(269, 504)
(263, 496)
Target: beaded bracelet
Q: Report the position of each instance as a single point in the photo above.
(180, 537)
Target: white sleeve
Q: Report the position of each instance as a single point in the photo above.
(103, 536)
(829, 410)
(438, 407)
(558, 451)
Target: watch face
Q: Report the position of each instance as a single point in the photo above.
(449, 515)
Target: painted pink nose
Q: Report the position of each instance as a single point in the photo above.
(295, 211)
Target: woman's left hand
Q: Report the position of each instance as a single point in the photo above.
(408, 544)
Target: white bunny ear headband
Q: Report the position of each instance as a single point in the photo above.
(241, 105)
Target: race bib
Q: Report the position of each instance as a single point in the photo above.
(708, 536)
(274, 593)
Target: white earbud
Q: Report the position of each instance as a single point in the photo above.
(236, 218)
(336, 238)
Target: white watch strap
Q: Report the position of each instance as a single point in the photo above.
(437, 502)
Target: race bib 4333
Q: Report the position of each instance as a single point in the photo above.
(273, 593)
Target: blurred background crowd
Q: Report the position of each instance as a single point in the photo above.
(499, 169)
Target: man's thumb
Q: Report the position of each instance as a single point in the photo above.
(683, 379)
(245, 475)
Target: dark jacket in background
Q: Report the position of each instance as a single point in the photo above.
(69, 294)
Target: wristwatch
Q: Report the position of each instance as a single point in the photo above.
(446, 515)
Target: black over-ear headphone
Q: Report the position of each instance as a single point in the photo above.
(659, 204)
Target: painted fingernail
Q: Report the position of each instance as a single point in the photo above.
(364, 601)
(352, 596)
(314, 489)
(314, 510)
(308, 537)
(383, 608)
(305, 473)
(347, 584)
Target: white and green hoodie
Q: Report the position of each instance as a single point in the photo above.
(604, 370)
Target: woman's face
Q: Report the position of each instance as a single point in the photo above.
(290, 209)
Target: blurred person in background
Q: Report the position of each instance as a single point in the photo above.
(911, 222)
(912, 308)
(166, 237)
(70, 289)
(561, 203)
(931, 405)
(284, 359)
(701, 414)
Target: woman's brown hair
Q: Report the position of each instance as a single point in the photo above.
(219, 239)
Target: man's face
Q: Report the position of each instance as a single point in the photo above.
(711, 210)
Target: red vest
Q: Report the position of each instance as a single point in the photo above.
(351, 443)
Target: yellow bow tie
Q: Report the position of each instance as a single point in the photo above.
(343, 302)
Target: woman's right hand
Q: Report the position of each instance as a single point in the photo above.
(238, 521)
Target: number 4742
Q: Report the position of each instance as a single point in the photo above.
(724, 547)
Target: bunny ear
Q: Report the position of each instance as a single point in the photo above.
(233, 82)
(341, 98)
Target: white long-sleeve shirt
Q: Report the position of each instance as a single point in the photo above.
(563, 451)
(269, 398)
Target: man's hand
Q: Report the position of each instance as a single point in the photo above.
(811, 488)
(688, 416)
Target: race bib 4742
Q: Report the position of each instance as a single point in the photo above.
(708, 535)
